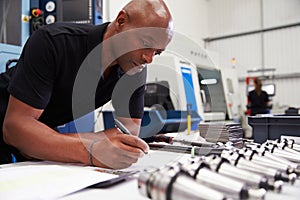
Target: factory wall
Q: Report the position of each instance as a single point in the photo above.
(190, 16)
(276, 48)
(231, 16)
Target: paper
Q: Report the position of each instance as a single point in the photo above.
(50, 180)
(157, 159)
(46, 181)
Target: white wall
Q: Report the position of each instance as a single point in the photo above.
(278, 12)
(190, 16)
(282, 49)
(232, 16)
(277, 49)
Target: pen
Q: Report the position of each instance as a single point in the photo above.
(123, 129)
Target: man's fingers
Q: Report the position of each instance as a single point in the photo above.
(136, 142)
(119, 150)
(114, 156)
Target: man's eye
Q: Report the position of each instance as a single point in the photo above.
(157, 53)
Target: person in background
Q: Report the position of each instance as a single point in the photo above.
(68, 70)
(258, 99)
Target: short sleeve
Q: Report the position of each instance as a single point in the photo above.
(33, 80)
(128, 95)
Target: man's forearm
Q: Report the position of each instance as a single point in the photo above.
(37, 140)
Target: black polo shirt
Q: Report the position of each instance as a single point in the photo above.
(258, 102)
(60, 71)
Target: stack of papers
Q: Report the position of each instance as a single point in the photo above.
(222, 132)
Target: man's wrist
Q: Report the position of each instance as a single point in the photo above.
(91, 152)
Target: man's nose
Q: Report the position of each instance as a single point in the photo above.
(148, 56)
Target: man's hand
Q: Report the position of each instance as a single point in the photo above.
(117, 150)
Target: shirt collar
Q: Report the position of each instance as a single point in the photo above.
(120, 71)
(95, 35)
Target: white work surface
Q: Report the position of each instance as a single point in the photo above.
(127, 190)
(36, 180)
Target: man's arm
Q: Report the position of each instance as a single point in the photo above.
(111, 148)
(22, 130)
(268, 101)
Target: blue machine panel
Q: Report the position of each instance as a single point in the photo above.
(8, 52)
(155, 121)
(25, 30)
(189, 91)
(98, 11)
(81, 125)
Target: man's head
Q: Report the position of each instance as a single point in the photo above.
(257, 83)
(142, 29)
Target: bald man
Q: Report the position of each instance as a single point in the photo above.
(66, 71)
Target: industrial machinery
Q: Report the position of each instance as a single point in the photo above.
(233, 174)
(14, 30)
(44, 12)
(20, 18)
(189, 69)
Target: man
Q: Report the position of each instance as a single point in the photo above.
(258, 99)
(71, 69)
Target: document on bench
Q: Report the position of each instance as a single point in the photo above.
(46, 181)
(51, 180)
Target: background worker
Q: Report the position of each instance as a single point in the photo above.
(258, 99)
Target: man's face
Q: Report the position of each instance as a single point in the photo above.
(138, 46)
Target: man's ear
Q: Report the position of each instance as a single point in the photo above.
(122, 18)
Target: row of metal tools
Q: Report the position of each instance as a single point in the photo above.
(246, 173)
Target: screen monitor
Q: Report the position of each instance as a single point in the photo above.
(78, 11)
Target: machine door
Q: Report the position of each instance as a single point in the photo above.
(212, 91)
